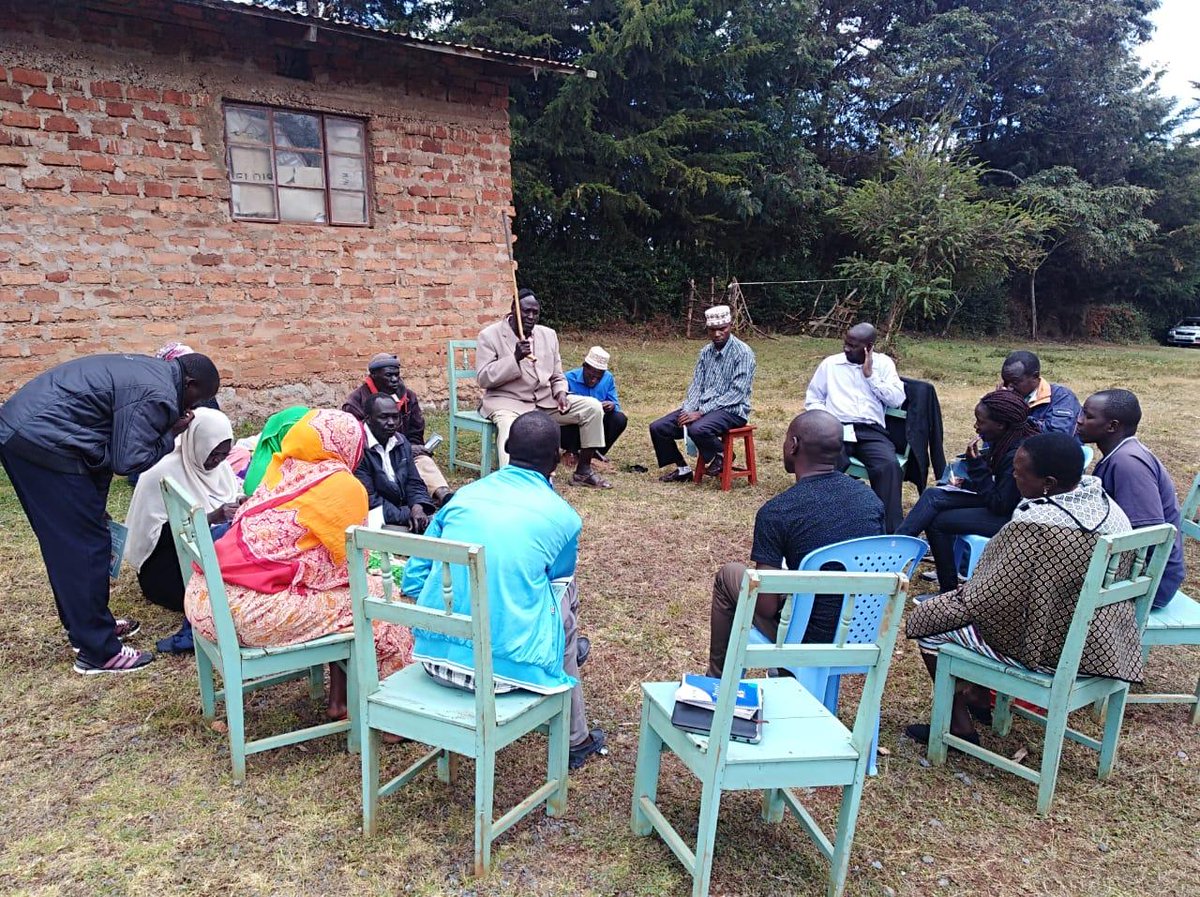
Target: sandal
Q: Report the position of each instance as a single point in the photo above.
(592, 480)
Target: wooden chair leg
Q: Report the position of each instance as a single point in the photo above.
(452, 444)
(751, 459)
(1194, 719)
(487, 445)
(645, 777)
(447, 767)
(1112, 733)
(706, 838)
(839, 865)
(370, 777)
(316, 682)
(353, 737)
(235, 700)
(558, 757)
(727, 462)
(485, 786)
(939, 718)
(208, 685)
(1002, 715)
(1056, 728)
(772, 808)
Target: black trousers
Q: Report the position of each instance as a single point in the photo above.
(877, 452)
(706, 433)
(615, 423)
(67, 514)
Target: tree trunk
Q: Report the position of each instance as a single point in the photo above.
(1033, 303)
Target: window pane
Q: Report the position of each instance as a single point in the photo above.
(249, 165)
(345, 136)
(247, 125)
(299, 169)
(348, 208)
(253, 202)
(302, 205)
(294, 129)
(347, 172)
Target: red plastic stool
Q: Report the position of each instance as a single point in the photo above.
(728, 474)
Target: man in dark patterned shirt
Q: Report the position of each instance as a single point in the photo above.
(825, 506)
(718, 400)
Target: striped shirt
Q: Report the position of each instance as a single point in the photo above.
(722, 380)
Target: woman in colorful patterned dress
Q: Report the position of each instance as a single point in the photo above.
(284, 558)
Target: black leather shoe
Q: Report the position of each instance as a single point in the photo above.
(583, 647)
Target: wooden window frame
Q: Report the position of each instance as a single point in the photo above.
(322, 150)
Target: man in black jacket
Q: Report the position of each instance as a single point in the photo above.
(62, 437)
(383, 377)
(396, 493)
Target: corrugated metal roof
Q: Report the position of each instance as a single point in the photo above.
(517, 60)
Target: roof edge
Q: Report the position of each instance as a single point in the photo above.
(530, 64)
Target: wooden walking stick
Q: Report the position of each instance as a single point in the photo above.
(512, 270)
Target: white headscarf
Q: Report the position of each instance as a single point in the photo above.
(211, 488)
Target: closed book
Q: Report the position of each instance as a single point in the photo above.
(703, 691)
(119, 533)
(698, 720)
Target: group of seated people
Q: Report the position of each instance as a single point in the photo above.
(279, 518)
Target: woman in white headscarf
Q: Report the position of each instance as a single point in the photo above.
(198, 464)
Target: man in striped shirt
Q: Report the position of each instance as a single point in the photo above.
(718, 400)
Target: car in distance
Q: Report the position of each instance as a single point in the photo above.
(1185, 333)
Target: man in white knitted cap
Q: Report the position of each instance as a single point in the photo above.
(594, 380)
(717, 401)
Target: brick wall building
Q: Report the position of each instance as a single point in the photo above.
(285, 194)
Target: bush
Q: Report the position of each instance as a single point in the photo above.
(1116, 323)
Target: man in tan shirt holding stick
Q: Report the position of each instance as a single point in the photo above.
(518, 367)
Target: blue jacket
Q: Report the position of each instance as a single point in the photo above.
(100, 414)
(530, 536)
(604, 391)
(1059, 413)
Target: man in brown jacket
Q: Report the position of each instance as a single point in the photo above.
(518, 375)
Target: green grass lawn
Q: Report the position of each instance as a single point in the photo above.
(116, 786)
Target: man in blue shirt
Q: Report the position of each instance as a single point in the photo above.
(1052, 406)
(593, 379)
(718, 400)
(1132, 475)
(531, 538)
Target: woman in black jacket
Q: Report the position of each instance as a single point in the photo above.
(983, 499)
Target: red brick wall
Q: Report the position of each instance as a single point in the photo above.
(115, 228)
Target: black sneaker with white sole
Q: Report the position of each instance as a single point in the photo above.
(126, 628)
(127, 660)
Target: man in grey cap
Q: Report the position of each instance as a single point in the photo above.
(717, 401)
(383, 376)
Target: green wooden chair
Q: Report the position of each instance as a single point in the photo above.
(803, 744)
(460, 365)
(857, 469)
(1176, 623)
(244, 670)
(412, 705)
(1064, 691)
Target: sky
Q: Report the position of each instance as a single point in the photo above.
(1174, 47)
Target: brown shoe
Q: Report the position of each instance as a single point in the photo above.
(592, 480)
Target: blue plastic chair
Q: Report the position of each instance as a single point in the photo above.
(871, 554)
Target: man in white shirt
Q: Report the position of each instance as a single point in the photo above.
(855, 386)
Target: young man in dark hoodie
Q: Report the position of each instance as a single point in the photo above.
(62, 437)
